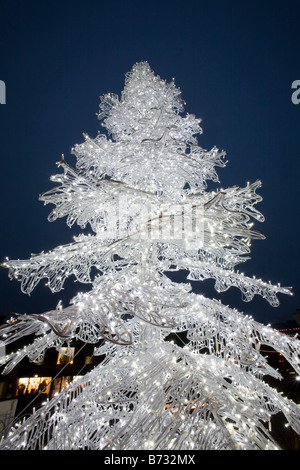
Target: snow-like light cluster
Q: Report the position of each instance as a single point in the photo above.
(142, 189)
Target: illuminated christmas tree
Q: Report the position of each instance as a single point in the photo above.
(141, 189)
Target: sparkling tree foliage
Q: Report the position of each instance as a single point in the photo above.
(141, 189)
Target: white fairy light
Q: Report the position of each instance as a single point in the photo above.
(143, 192)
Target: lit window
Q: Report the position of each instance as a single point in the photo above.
(88, 360)
(32, 385)
(65, 356)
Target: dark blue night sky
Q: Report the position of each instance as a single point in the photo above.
(235, 62)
